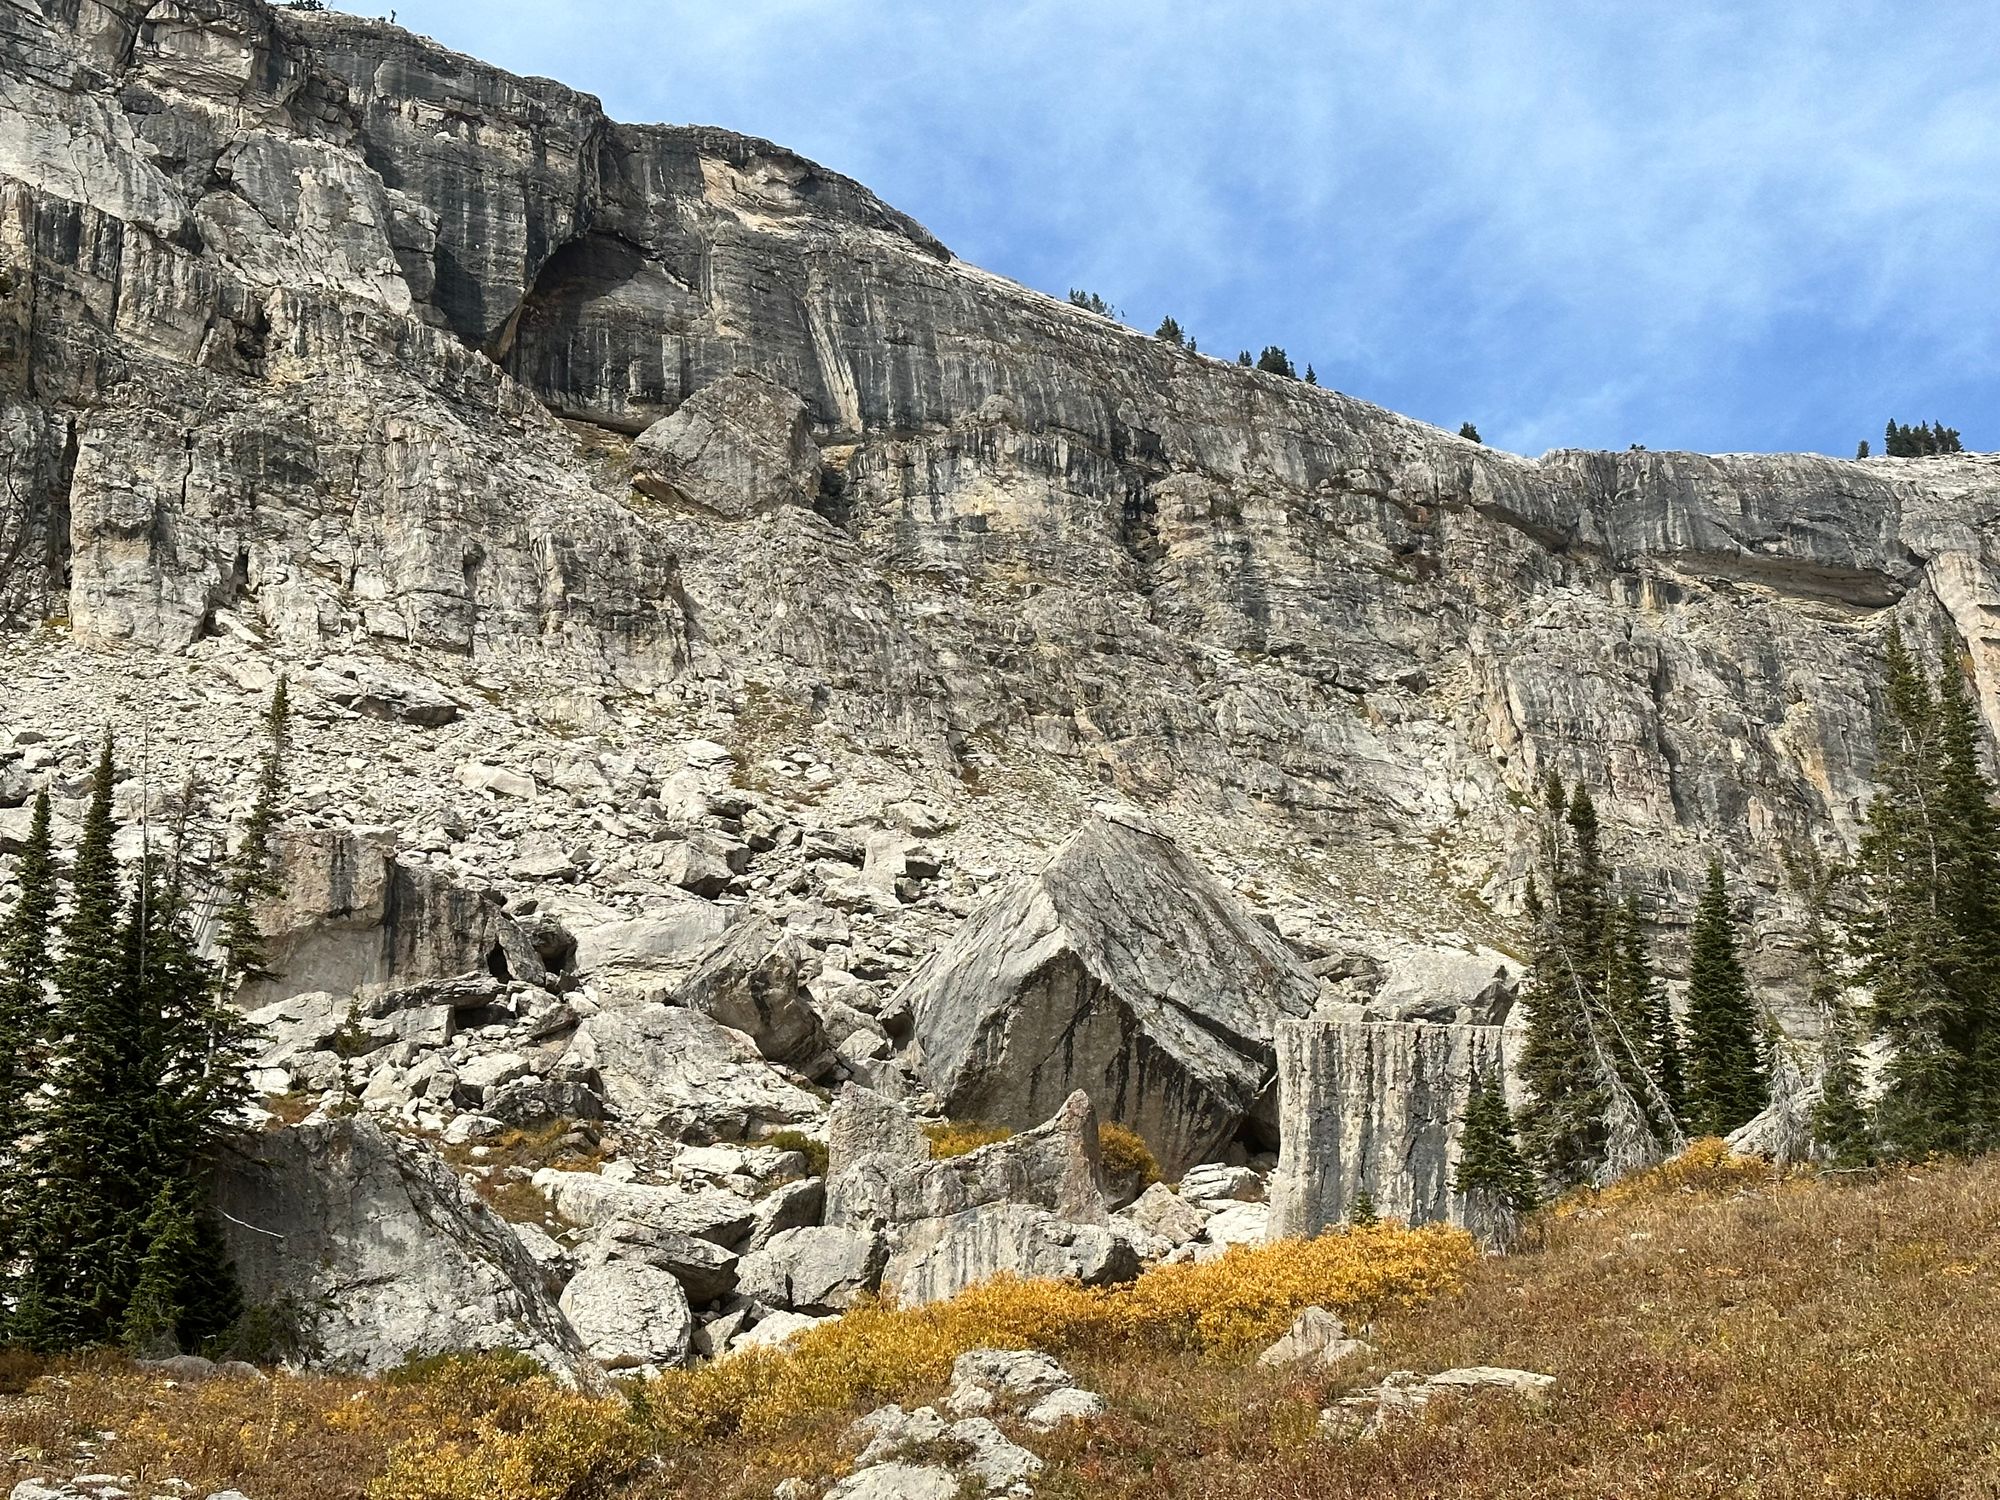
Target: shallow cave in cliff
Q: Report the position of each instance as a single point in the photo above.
(602, 335)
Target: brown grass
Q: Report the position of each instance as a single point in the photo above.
(1715, 1332)
(549, 1144)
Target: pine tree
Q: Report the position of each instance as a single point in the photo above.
(253, 874)
(1312, 376)
(1361, 1210)
(25, 1021)
(1842, 1130)
(92, 1169)
(150, 1326)
(1861, 449)
(1243, 358)
(1274, 361)
(1470, 433)
(1638, 1005)
(1492, 1173)
(1170, 332)
(1928, 931)
(1726, 1080)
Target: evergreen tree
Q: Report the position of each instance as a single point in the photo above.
(1274, 361)
(1170, 332)
(92, 1174)
(1726, 1079)
(24, 1021)
(1638, 1004)
(1861, 449)
(253, 871)
(1470, 433)
(1361, 1210)
(1492, 1173)
(1592, 1100)
(1927, 932)
(1843, 1132)
(1243, 358)
(1312, 377)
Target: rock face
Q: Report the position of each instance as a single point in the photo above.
(387, 1255)
(1374, 1106)
(352, 920)
(1123, 970)
(734, 448)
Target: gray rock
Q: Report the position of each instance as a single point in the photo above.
(699, 1080)
(774, 1329)
(637, 950)
(354, 920)
(1374, 1106)
(378, 1238)
(898, 1482)
(1008, 1380)
(939, 1258)
(705, 1270)
(1316, 1337)
(1125, 970)
(816, 1269)
(1405, 1394)
(1213, 1184)
(734, 448)
(1163, 1212)
(630, 1315)
(750, 981)
(597, 1202)
(1055, 1166)
(1066, 1405)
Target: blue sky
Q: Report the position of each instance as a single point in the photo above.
(1713, 226)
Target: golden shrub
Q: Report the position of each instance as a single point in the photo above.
(879, 1352)
(1126, 1155)
(1707, 1168)
(536, 1441)
(956, 1137)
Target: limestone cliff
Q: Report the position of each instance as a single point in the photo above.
(322, 347)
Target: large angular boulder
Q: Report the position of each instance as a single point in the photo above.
(1124, 969)
(677, 1071)
(939, 1258)
(750, 981)
(383, 1249)
(880, 1173)
(738, 447)
(630, 1315)
(1375, 1107)
(353, 920)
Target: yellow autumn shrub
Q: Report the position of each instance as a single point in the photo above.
(1126, 1156)
(493, 1436)
(1707, 1167)
(879, 1352)
(956, 1137)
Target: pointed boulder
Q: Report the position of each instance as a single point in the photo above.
(1125, 970)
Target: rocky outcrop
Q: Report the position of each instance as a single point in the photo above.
(353, 920)
(680, 1072)
(751, 982)
(1123, 970)
(733, 449)
(1375, 1107)
(381, 1250)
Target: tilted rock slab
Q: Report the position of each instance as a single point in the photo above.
(1374, 1106)
(375, 1237)
(1125, 970)
(352, 920)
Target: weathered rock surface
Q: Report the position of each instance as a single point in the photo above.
(1404, 1393)
(630, 1315)
(1123, 970)
(376, 1239)
(737, 447)
(1373, 1106)
(1316, 1337)
(1053, 1166)
(684, 1072)
(751, 982)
